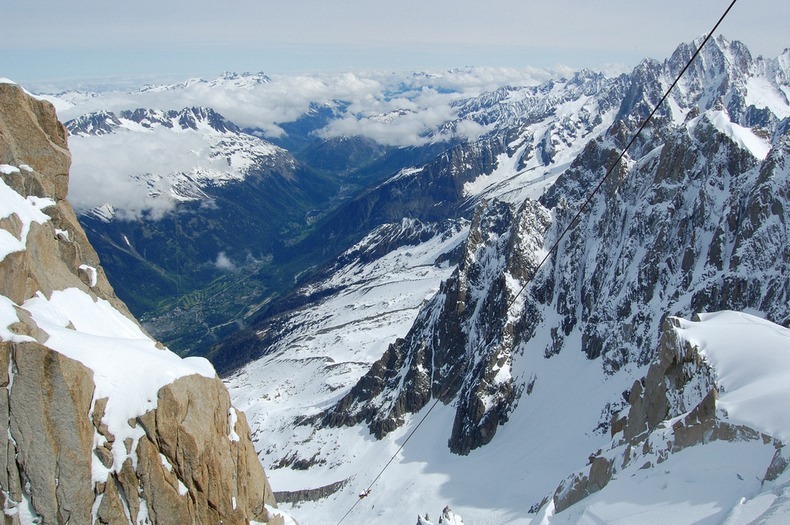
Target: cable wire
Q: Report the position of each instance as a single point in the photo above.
(556, 244)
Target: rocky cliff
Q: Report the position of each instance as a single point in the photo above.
(103, 424)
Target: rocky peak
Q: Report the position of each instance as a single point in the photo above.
(104, 425)
(719, 56)
(461, 343)
(99, 123)
(32, 135)
(719, 75)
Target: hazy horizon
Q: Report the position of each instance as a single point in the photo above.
(58, 44)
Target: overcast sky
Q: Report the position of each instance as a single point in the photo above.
(54, 40)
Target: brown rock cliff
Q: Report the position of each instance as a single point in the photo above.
(189, 466)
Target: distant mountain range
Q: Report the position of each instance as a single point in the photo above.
(354, 293)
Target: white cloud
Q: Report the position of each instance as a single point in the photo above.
(132, 170)
(470, 130)
(423, 98)
(414, 116)
(261, 105)
(223, 262)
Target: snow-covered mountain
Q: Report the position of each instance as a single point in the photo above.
(228, 79)
(707, 425)
(210, 198)
(625, 265)
(534, 385)
(339, 356)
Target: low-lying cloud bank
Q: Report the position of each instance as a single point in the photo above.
(394, 109)
(414, 102)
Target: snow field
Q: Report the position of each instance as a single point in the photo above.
(28, 210)
(751, 357)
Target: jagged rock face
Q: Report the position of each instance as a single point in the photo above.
(31, 132)
(31, 135)
(718, 76)
(692, 220)
(461, 340)
(622, 266)
(668, 235)
(48, 453)
(447, 517)
(190, 420)
(192, 460)
(677, 382)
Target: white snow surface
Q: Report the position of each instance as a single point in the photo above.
(705, 484)
(61, 105)
(448, 517)
(751, 357)
(762, 94)
(91, 272)
(743, 137)
(340, 338)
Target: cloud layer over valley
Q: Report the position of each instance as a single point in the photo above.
(132, 169)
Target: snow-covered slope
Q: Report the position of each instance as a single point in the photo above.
(331, 342)
(751, 358)
(609, 285)
(704, 439)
